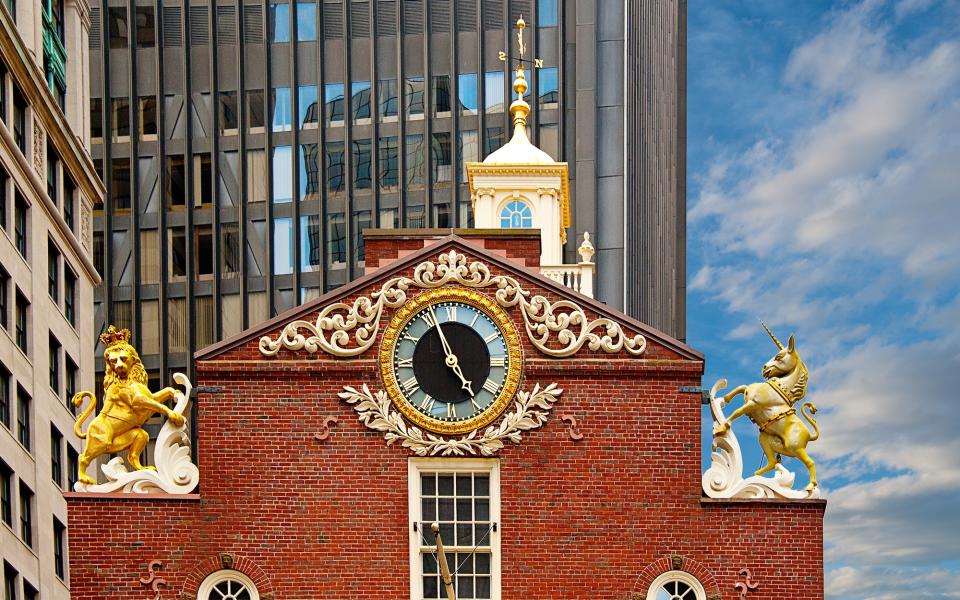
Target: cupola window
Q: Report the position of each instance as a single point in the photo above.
(516, 215)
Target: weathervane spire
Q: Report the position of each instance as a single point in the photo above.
(519, 107)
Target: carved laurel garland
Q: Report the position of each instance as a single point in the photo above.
(345, 330)
(376, 412)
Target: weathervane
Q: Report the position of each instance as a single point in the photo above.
(536, 63)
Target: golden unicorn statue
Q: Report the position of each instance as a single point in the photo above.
(769, 404)
(127, 404)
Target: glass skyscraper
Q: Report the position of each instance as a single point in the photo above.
(245, 145)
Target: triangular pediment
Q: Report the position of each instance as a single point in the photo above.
(557, 321)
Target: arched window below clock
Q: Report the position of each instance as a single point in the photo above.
(676, 585)
(516, 215)
(227, 584)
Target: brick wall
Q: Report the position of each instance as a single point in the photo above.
(595, 518)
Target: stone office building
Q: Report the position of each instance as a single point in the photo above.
(246, 144)
(48, 190)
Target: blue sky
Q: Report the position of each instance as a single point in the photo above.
(824, 198)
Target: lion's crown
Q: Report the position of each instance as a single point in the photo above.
(115, 337)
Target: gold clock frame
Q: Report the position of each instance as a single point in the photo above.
(500, 318)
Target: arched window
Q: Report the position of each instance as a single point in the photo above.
(516, 215)
(227, 584)
(676, 585)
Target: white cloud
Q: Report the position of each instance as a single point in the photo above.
(846, 231)
(892, 584)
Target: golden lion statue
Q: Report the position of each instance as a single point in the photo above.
(769, 404)
(127, 404)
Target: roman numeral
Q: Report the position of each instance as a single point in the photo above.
(492, 337)
(410, 386)
(476, 407)
(451, 313)
(491, 386)
(407, 363)
(498, 362)
(429, 320)
(407, 336)
(451, 411)
(475, 317)
(427, 404)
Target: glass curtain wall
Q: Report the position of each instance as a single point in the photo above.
(246, 146)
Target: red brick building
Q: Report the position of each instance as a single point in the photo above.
(572, 471)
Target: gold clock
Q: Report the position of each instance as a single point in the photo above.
(451, 360)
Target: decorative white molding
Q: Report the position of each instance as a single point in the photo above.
(724, 478)
(175, 472)
(376, 412)
(345, 330)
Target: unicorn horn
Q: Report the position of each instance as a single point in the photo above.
(770, 333)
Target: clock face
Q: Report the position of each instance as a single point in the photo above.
(451, 360)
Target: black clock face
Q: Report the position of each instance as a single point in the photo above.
(450, 361)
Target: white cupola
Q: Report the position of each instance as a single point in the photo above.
(520, 185)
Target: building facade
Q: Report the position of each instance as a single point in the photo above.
(48, 191)
(246, 144)
(570, 470)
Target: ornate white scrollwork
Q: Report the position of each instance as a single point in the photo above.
(724, 478)
(175, 473)
(375, 411)
(557, 329)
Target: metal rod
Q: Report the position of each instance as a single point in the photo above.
(442, 559)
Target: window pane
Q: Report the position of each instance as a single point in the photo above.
(255, 110)
(306, 21)
(337, 238)
(309, 171)
(494, 140)
(282, 246)
(362, 162)
(311, 248)
(549, 87)
(281, 109)
(360, 99)
(229, 118)
(280, 23)
(547, 13)
(230, 252)
(441, 94)
(441, 157)
(414, 159)
(146, 37)
(493, 92)
(389, 163)
(307, 105)
(335, 166)
(413, 96)
(282, 174)
(467, 92)
(388, 98)
(333, 98)
(148, 116)
(117, 23)
(120, 117)
(468, 150)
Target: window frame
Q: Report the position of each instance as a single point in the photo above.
(416, 466)
(26, 501)
(680, 576)
(21, 225)
(207, 585)
(24, 418)
(60, 549)
(56, 455)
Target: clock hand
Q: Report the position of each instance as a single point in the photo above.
(451, 358)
